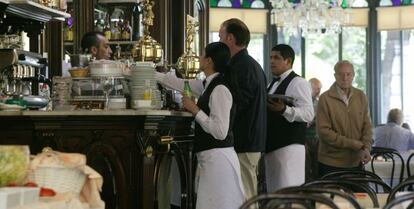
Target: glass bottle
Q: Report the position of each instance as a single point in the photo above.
(115, 33)
(187, 89)
(246, 4)
(69, 34)
(107, 32)
(126, 31)
(147, 90)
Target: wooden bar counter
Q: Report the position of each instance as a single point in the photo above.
(125, 146)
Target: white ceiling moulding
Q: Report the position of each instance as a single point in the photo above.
(255, 19)
(395, 18)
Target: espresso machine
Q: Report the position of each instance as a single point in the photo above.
(21, 72)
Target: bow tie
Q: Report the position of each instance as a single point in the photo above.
(275, 79)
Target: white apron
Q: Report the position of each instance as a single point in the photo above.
(220, 185)
(285, 167)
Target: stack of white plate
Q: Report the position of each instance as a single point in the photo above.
(142, 72)
(106, 68)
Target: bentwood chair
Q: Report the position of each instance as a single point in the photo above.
(319, 190)
(351, 174)
(408, 164)
(389, 155)
(400, 187)
(274, 201)
(401, 199)
(349, 185)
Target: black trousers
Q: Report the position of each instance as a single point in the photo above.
(325, 169)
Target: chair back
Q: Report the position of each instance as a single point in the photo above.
(320, 190)
(398, 188)
(351, 174)
(273, 201)
(389, 155)
(400, 199)
(408, 163)
(350, 185)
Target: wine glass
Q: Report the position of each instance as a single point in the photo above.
(107, 87)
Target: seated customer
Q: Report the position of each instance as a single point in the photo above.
(96, 44)
(220, 185)
(392, 135)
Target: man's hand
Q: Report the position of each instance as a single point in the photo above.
(189, 105)
(365, 156)
(276, 105)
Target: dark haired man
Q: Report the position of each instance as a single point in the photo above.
(250, 121)
(286, 126)
(96, 44)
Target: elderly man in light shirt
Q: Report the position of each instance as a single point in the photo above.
(392, 135)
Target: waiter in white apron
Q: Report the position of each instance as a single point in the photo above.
(286, 126)
(220, 185)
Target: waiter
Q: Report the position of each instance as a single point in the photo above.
(286, 123)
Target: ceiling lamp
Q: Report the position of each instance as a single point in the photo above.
(310, 16)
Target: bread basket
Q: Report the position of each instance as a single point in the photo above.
(56, 175)
(79, 72)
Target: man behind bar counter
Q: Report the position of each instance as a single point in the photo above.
(96, 44)
(250, 121)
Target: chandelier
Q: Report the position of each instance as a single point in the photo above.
(310, 16)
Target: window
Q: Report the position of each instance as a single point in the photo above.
(255, 47)
(321, 55)
(354, 50)
(408, 74)
(293, 40)
(390, 72)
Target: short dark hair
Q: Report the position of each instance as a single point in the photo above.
(286, 51)
(239, 30)
(90, 39)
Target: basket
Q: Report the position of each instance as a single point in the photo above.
(79, 72)
(60, 179)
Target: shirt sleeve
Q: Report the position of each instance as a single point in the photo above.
(326, 132)
(411, 141)
(217, 123)
(302, 111)
(171, 81)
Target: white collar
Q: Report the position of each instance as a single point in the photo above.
(210, 78)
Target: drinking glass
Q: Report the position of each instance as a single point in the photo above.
(107, 87)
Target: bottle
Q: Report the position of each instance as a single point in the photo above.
(187, 89)
(69, 34)
(115, 33)
(107, 32)
(147, 90)
(126, 31)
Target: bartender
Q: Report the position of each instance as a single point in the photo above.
(96, 44)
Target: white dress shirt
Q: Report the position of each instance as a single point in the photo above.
(300, 89)
(220, 103)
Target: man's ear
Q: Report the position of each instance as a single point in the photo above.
(94, 50)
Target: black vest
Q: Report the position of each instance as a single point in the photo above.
(280, 132)
(203, 140)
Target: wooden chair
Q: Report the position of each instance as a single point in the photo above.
(388, 154)
(398, 188)
(400, 199)
(319, 190)
(350, 185)
(273, 201)
(353, 174)
(408, 164)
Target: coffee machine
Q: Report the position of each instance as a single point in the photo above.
(21, 72)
